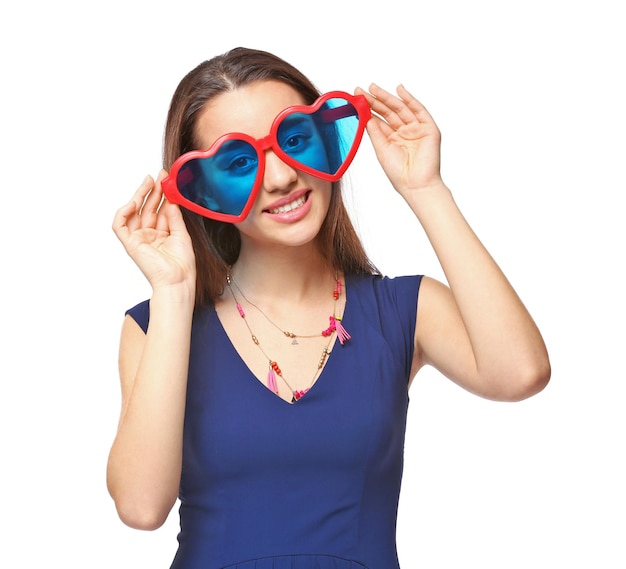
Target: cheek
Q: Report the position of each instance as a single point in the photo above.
(325, 191)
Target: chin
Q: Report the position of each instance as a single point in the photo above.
(269, 229)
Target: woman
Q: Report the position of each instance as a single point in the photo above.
(265, 383)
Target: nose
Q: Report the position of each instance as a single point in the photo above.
(278, 175)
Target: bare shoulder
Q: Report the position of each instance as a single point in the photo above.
(437, 313)
(441, 339)
(435, 308)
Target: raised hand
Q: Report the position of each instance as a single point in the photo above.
(405, 138)
(153, 233)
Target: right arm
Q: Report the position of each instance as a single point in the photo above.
(144, 467)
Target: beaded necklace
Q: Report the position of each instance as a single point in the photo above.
(274, 370)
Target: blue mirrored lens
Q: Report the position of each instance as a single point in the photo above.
(320, 140)
(222, 182)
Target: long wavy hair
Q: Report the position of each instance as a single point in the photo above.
(216, 244)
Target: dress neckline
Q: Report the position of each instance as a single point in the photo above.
(335, 349)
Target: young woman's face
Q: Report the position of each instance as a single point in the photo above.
(291, 206)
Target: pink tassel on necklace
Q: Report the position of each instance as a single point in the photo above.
(342, 333)
(271, 378)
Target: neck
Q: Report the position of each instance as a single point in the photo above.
(290, 272)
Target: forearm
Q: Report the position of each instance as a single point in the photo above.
(508, 351)
(145, 460)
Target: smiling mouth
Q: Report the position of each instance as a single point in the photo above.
(295, 204)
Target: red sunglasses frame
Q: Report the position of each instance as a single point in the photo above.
(261, 145)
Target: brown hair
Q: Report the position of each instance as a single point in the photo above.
(216, 244)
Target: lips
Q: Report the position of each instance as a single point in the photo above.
(290, 206)
(288, 203)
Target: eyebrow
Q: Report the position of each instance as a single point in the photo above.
(297, 118)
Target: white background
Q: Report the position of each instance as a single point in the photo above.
(530, 99)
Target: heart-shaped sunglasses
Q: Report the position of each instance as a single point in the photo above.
(319, 139)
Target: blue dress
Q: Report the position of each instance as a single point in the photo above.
(313, 485)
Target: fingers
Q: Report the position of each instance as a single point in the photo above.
(397, 110)
(168, 215)
(148, 208)
(172, 216)
(391, 108)
(404, 136)
(120, 221)
(142, 191)
(127, 217)
(141, 210)
(152, 202)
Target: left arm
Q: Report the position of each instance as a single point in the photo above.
(476, 331)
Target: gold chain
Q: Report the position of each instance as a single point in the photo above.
(296, 394)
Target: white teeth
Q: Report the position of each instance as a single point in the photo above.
(293, 205)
